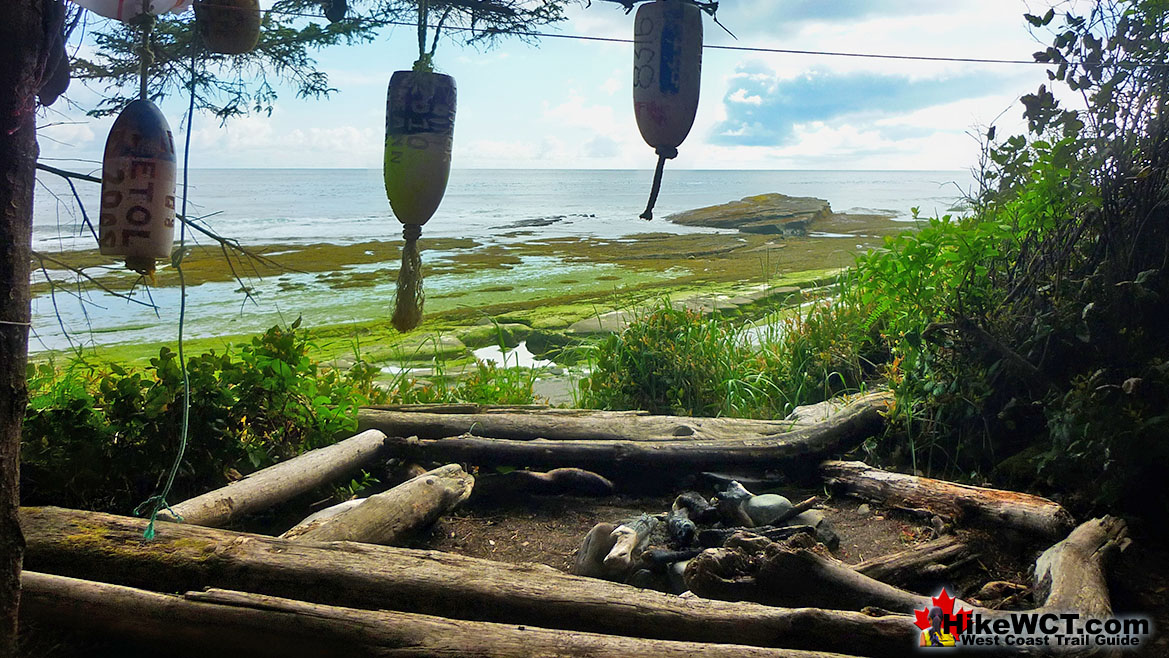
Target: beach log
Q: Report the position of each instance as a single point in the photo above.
(276, 484)
(996, 508)
(226, 622)
(516, 485)
(431, 422)
(459, 408)
(184, 557)
(928, 562)
(392, 516)
(855, 422)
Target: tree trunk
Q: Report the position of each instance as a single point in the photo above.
(572, 424)
(392, 516)
(22, 32)
(282, 482)
(223, 622)
(647, 456)
(993, 508)
(928, 562)
(185, 557)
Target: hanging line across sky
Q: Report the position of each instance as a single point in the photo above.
(751, 49)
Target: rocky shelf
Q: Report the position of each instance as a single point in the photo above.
(772, 214)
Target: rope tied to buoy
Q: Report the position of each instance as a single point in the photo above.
(410, 297)
(145, 22)
(664, 153)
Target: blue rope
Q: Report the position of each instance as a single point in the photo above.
(158, 502)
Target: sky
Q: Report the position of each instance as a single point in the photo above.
(568, 104)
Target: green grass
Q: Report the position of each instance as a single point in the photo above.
(677, 361)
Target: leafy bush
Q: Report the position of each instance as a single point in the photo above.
(102, 437)
(1026, 334)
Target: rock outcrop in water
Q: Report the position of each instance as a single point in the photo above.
(772, 214)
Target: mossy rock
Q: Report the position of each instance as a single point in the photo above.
(490, 334)
(420, 347)
(509, 318)
(556, 321)
(770, 214)
(543, 343)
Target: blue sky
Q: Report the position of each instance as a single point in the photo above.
(567, 104)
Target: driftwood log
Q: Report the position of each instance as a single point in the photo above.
(930, 562)
(282, 482)
(855, 422)
(996, 508)
(1069, 577)
(223, 622)
(394, 515)
(515, 485)
(460, 408)
(565, 425)
(184, 557)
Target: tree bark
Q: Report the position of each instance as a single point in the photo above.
(279, 483)
(223, 622)
(22, 31)
(572, 424)
(646, 456)
(994, 508)
(185, 557)
(392, 516)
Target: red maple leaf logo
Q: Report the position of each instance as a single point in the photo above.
(946, 603)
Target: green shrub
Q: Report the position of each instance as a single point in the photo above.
(102, 437)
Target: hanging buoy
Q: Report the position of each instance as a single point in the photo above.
(420, 124)
(667, 70)
(124, 10)
(335, 10)
(137, 218)
(228, 27)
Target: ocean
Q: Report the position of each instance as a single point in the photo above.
(298, 206)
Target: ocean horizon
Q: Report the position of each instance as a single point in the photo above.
(498, 210)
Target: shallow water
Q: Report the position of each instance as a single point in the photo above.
(348, 206)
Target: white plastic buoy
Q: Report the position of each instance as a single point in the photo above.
(124, 10)
(420, 124)
(228, 27)
(667, 71)
(137, 218)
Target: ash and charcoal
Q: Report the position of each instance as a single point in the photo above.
(652, 551)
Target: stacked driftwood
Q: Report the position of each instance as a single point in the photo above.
(336, 584)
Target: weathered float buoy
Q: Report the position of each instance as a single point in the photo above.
(667, 71)
(420, 124)
(137, 218)
(125, 10)
(228, 27)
